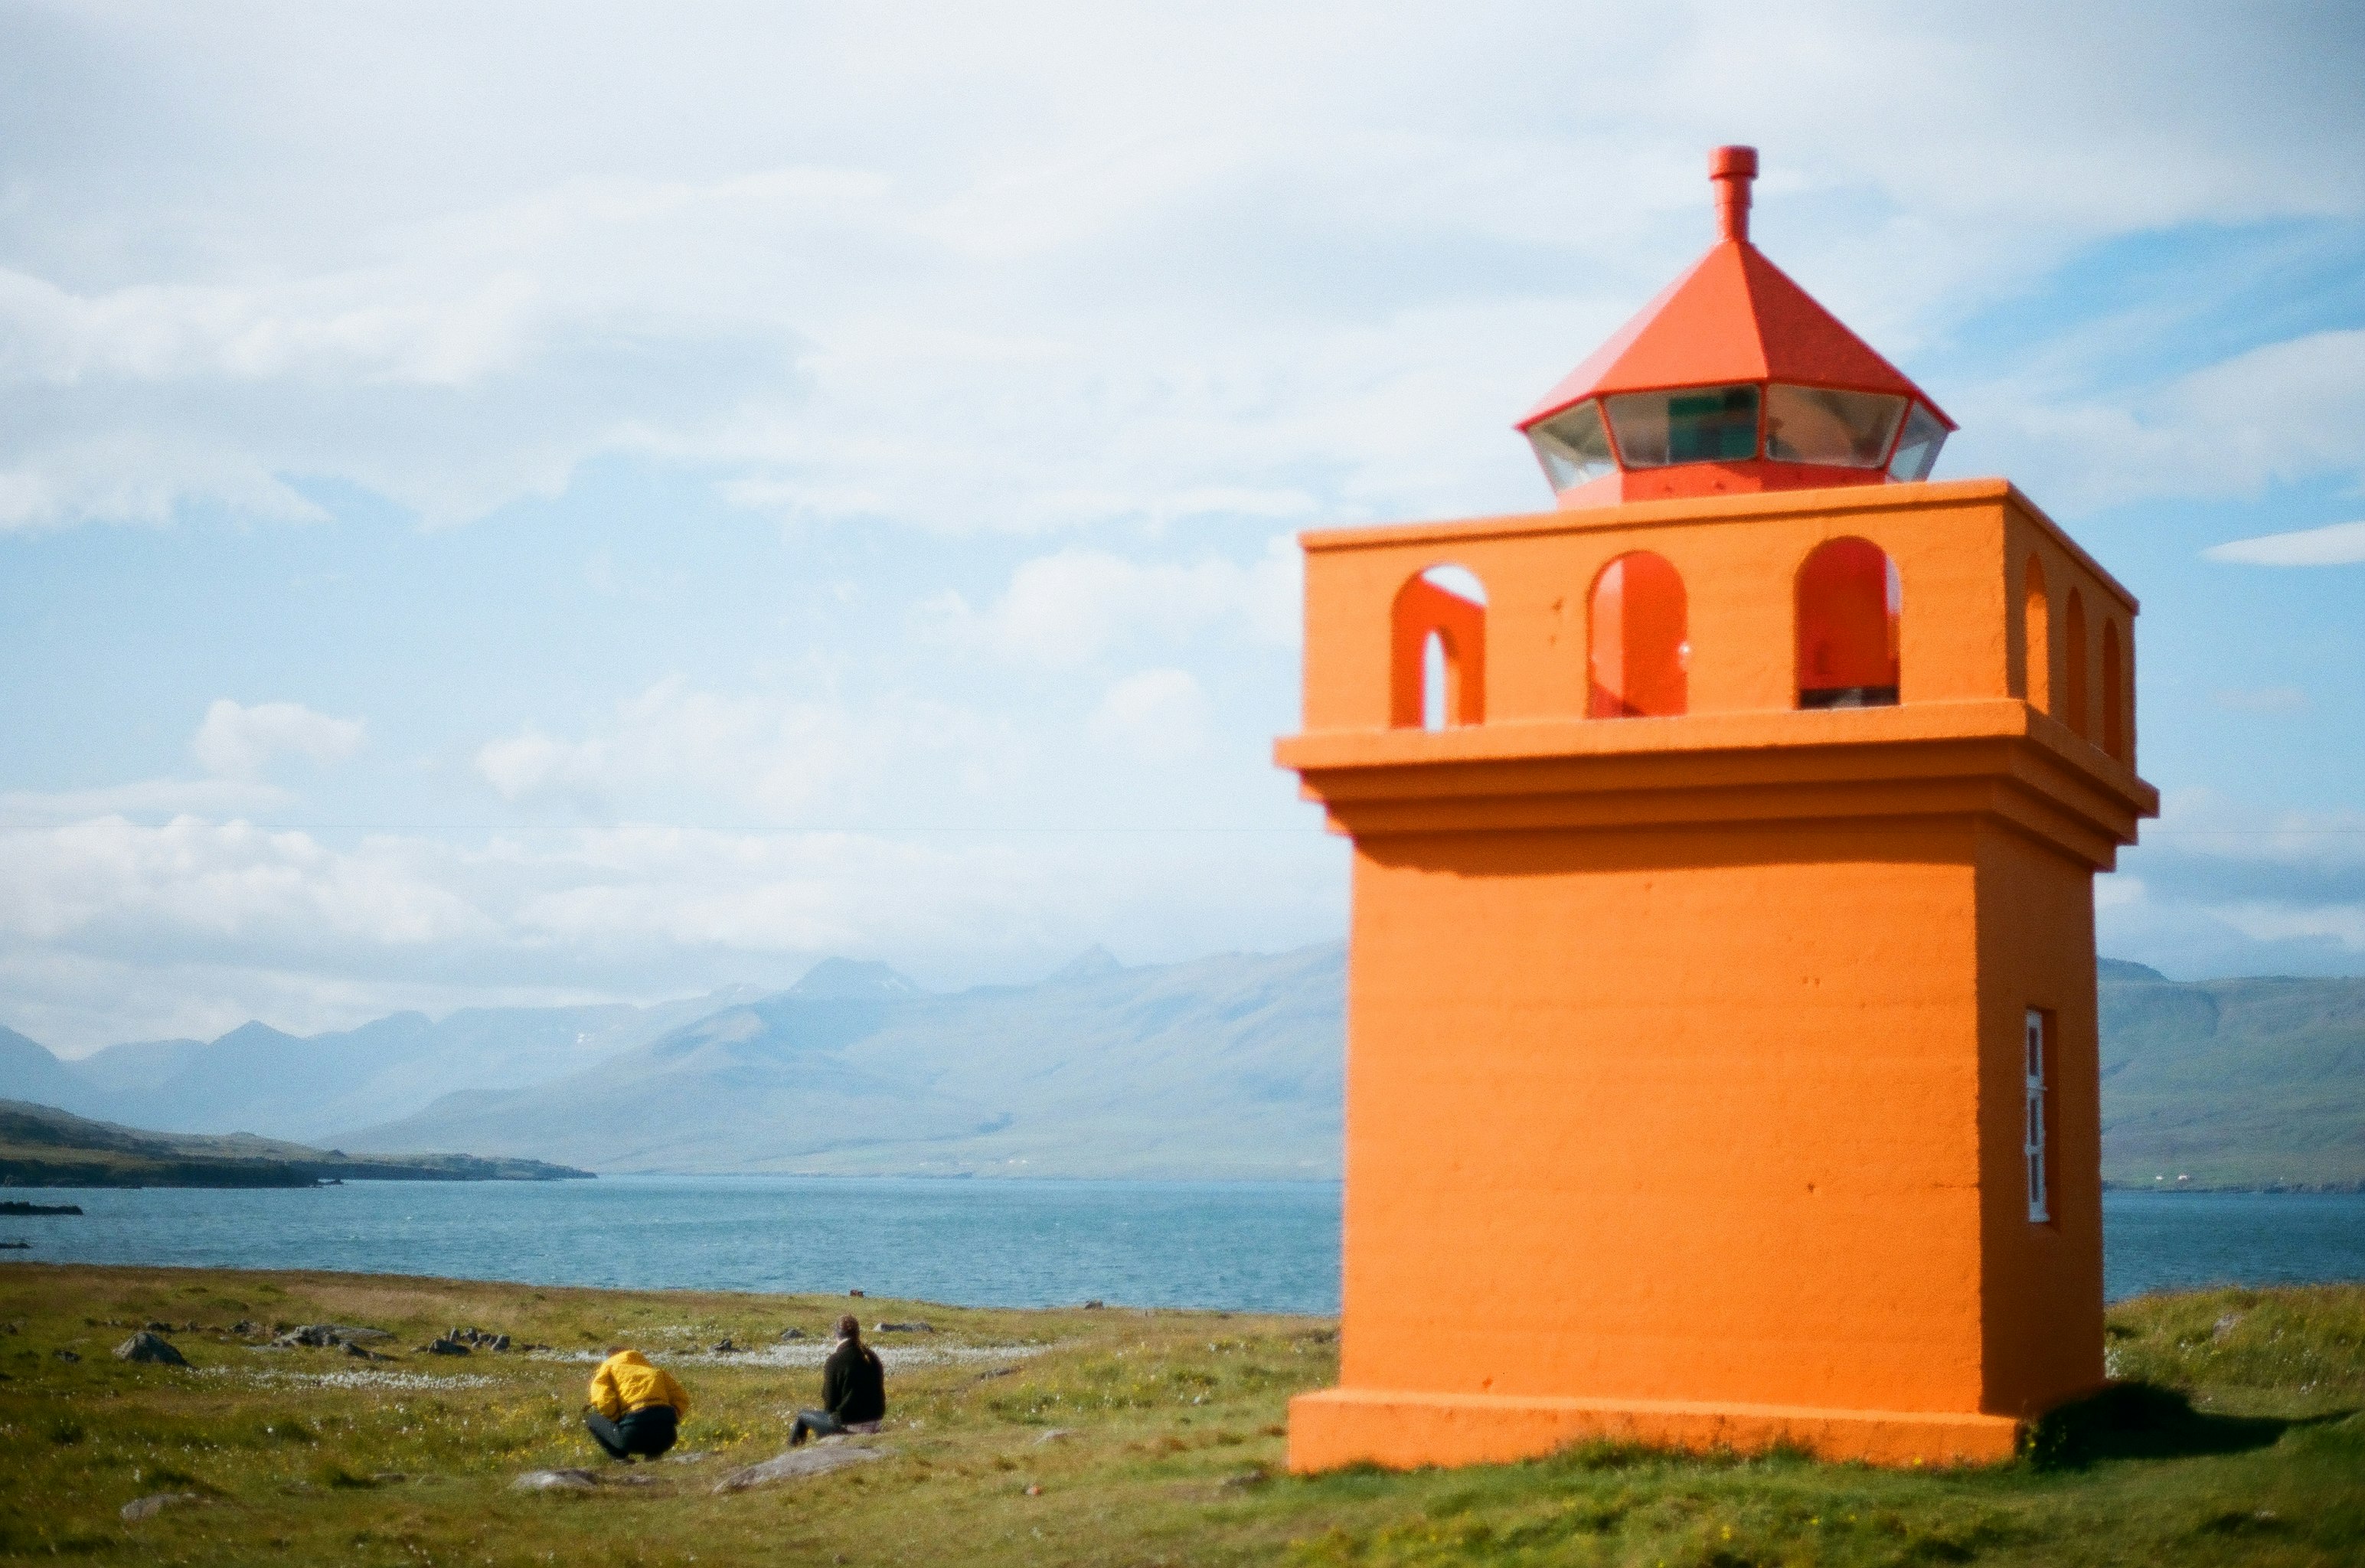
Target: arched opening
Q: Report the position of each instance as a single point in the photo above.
(2115, 700)
(1636, 654)
(1437, 666)
(2073, 663)
(1850, 615)
(2036, 638)
(1437, 706)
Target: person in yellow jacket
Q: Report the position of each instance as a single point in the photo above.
(636, 1408)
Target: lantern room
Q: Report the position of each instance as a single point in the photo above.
(1733, 380)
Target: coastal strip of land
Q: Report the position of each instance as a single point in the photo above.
(43, 1147)
(316, 1419)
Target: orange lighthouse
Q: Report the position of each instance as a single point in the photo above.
(1721, 1034)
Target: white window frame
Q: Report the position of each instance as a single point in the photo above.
(2034, 1132)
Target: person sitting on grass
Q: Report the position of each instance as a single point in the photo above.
(636, 1409)
(853, 1389)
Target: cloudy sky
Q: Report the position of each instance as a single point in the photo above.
(503, 502)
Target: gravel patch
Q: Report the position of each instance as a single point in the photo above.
(808, 1353)
(273, 1376)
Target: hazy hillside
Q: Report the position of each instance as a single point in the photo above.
(1224, 1067)
(2231, 1083)
(258, 1079)
(1227, 1067)
(1230, 1065)
(28, 1071)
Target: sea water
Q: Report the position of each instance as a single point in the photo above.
(1268, 1246)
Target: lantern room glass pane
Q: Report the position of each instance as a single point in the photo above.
(1573, 446)
(1694, 424)
(1917, 449)
(1820, 424)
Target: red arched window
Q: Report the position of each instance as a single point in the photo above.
(1637, 654)
(1437, 665)
(2036, 638)
(2114, 692)
(1850, 611)
(2073, 663)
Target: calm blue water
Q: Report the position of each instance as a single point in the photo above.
(1270, 1247)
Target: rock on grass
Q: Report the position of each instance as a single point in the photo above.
(156, 1503)
(796, 1465)
(147, 1347)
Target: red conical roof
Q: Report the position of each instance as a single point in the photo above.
(1733, 316)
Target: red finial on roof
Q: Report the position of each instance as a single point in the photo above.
(1731, 169)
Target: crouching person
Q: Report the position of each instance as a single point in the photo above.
(635, 1408)
(853, 1389)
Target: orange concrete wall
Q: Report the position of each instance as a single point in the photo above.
(2042, 1284)
(2031, 539)
(1611, 1131)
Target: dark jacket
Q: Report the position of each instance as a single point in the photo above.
(852, 1383)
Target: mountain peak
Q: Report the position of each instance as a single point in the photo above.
(852, 980)
(254, 1032)
(1094, 963)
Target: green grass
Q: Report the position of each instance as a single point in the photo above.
(2243, 1444)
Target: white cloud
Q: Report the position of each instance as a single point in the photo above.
(1016, 271)
(148, 797)
(2335, 544)
(238, 742)
(782, 758)
(2342, 925)
(1071, 607)
(113, 928)
(2281, 413)
(229, 888)
(2220, 887)
(1159, 715)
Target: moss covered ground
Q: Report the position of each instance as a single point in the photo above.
(2240, 1439)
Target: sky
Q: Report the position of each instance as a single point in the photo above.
(529, 503)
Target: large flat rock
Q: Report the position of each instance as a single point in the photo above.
(797, 1465)
(556, 1481)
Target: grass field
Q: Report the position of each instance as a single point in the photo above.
(2243, 1442)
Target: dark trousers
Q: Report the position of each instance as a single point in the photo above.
(649, 1431)
(822, 1424)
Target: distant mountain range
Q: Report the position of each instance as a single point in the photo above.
(255, 1078)
(1226, 1066)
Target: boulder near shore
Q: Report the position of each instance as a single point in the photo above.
(146, 1345)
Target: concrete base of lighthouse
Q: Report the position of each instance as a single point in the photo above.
(1339, 1427)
